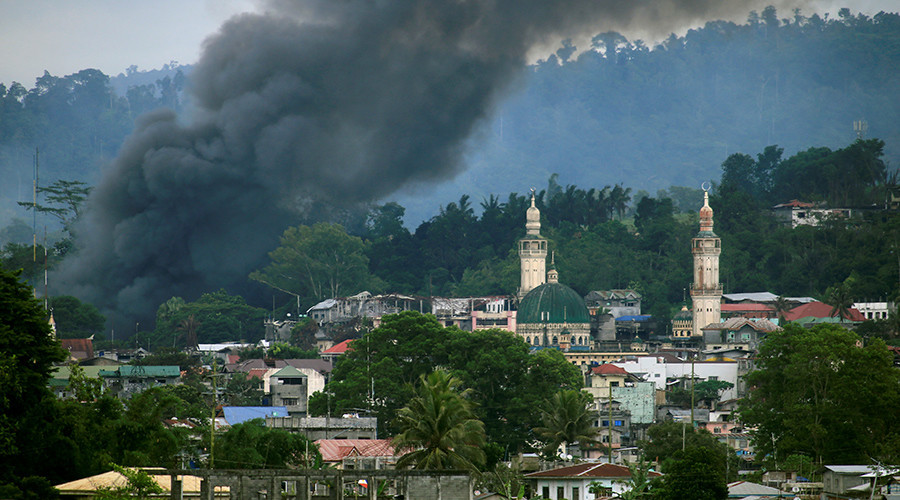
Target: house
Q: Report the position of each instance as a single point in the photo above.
(288, 387)
(819, 310)
(841, 480)
(746, 489)
(331, 354)
(619, 302)
(88, 487)
(59, 382)
(350, 454)
(574, 481)
(798, 213)
(361, 305)
(78, 349)
(738, 330)
(127, 380)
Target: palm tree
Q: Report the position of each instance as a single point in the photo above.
(189, 327)
(440, 427)
(567, 420)
(840, 300)
(781, 306)
(638, 484)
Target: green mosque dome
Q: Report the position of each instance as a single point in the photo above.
(552, 303)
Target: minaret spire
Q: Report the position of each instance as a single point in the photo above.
(532, 251)
(706, 291)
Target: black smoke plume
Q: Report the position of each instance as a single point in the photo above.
(339, 101)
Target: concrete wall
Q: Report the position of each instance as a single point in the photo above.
(329, 485)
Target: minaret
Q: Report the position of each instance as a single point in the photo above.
(532, 252)
(706, 291)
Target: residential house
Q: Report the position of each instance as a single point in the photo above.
(798, 213)
(874, 310)
(356, 454)
(573, 482)
(317, 371)
(737, 330)
(127, 380)
(362, 305)
(619, 302)
(746, 489)
(78, 349)
(806, 313)
(335, 351)
(289, 387)
(839, 481)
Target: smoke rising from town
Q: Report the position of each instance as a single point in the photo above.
(340, 102)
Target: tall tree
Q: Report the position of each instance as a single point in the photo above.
(567, 420)
(807, 397)
(316, 263)
(27, 354)
(439, 427)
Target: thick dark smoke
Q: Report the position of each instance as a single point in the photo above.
(335, 101)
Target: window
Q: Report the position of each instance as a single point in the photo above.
(160, 381)
(618, 423)
(575, 492)
(614, 384)
(289, 401)
(605, 423)
(560, 492)
(545, 492)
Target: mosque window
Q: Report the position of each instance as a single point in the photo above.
(555, 341)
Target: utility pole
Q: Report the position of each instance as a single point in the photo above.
(610, 426)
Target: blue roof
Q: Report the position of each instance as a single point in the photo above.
(637, 318)
(239, 414)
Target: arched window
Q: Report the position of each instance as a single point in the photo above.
(555, 342)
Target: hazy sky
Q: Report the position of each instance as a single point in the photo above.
(64, 36)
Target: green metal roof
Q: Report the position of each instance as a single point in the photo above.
(559, 303)
(288, 372)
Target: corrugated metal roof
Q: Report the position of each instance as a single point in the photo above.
(604, 470)
(335, 450)
(111, 479)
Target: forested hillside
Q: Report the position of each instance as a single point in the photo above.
(651, 117)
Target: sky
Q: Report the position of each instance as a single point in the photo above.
(64, 36)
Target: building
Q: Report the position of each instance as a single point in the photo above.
(532, 252)
(620, 302)
(314, 428)
(574, 481)
(362, 305)
(682, 325)
(798, 213)
(874, 310)
(358, 454)
(127, 380)
(737, 330)
(706, 291)
(554, 315)
(288, 387)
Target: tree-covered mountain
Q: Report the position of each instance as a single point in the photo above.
(652, 117)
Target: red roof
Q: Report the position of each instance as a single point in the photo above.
(818, 310)
(608, 369)
(795, 204)
(589, 470)
(338, 348)
(79, 348)
(335, 450)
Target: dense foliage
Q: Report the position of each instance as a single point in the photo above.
(506, 383)
(822, 393)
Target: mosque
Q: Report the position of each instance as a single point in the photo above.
(550, 314)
